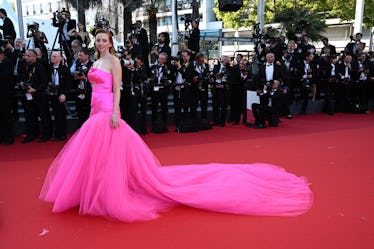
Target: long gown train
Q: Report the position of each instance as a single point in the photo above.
(112, 173)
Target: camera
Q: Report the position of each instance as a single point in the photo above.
(102, 23)
(187, 18)
(31, 27)
(21, 87)
(52, 89)
(3, 43)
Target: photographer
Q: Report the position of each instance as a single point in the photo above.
(160, 84)
(58, 89)
(269, 107)
(161, 47)
(203, 79)
(61, 19)
(185, 90)
(82, 86)
(193, 37)
(306, 73)
(128, 99)
(290, 60)
(133, 46)
(19, 50)
(6, 94)
(222, 76)
(9, 33)
(38, 37)
(34, 81)
(142, 38)
(141, 90)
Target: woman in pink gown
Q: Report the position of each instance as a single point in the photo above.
(106, 169)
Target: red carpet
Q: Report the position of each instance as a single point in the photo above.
(334, 152)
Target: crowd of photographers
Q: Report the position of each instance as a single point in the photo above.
(286, 72)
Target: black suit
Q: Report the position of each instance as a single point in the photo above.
(203, 86)
(8, 30)
(306, 79)
(84, 91)
(223, 75)
(37, 77)
(161, 81)
(63, 88)
(277, 74)
(194, 40)
(236, 95)
(142, 37)
(269, 108)
(185, 93)
(6, 96)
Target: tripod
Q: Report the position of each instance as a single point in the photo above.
(37, 43)
(64, 45)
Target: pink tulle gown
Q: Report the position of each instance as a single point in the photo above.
(112, 173)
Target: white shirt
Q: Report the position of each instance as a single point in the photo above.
(55, 78)
(269, 71)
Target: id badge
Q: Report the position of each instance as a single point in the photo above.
(28, 96)
(156, 88)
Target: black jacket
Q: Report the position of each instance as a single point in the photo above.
(6, 76)
(36, 76)
(65, 79)
(277, 74)
(8, 30)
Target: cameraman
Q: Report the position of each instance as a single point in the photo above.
(39, 38)
(141, 90)
(19, 50)
(185, 92)
(193, 38)
(222, 74)
(142, 38)
(82, 85)
(306, 73)
(202, 80)
(128, 100)
(8, 28)
(161, 81)
(270, 105)
(6, 94)
(161, 47)
(34, 80)
(65, 26)
(58, 89)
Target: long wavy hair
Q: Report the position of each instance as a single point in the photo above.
(111, 49)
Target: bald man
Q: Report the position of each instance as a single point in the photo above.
(58, 88)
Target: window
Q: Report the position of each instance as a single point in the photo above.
(33, 9)
(27, 10)
(41, 8)
(50, 7)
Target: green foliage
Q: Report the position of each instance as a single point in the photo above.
(247, 15)
(297, 20)
(345, 10)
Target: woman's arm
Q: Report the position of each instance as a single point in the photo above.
(117, 77)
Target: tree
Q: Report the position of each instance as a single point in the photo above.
(247, 15)
(345, 10)
(81, 6)
(128, 7)
(297, 20)
(152, 14)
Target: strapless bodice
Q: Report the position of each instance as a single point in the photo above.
(101, 81)
(102, 91)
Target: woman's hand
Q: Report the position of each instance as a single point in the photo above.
(114, 121)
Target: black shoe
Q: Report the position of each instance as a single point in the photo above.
(62, 138)
(43, 139)
(235, 123)
(222, 125)
(8, 142)
(260, 126)
(27, 140)
(215, 123)
(289, 116)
